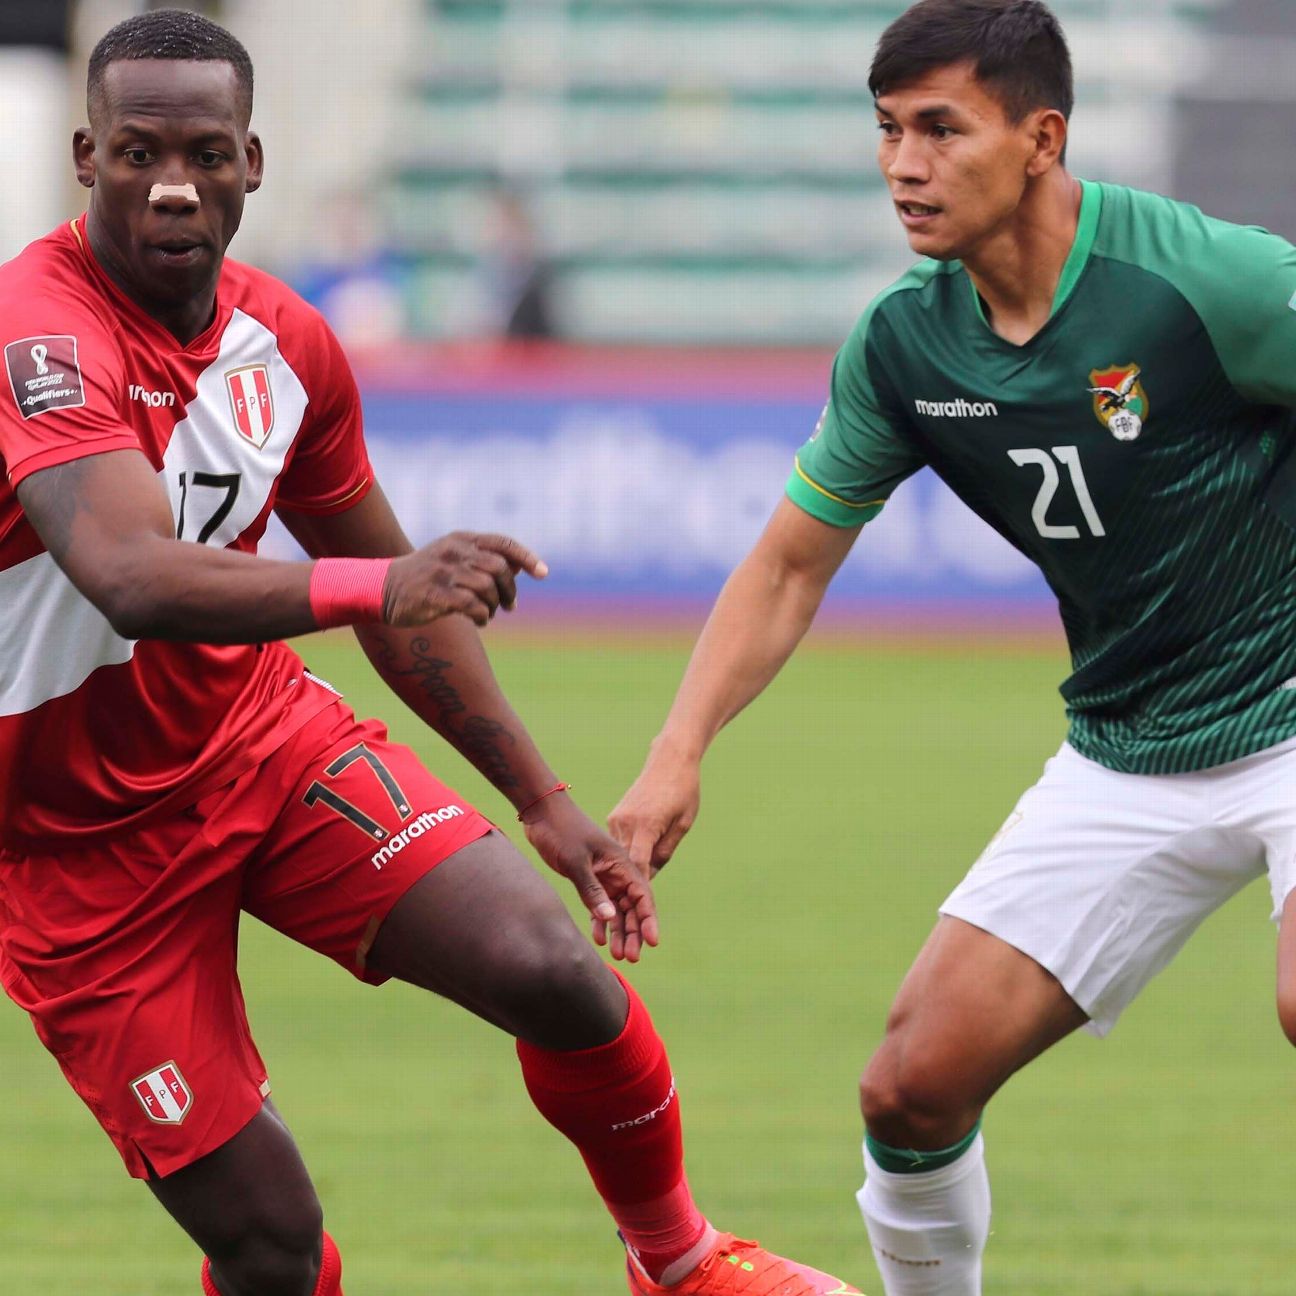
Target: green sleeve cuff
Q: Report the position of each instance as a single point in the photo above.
(821, 503)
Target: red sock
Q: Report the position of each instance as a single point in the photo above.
(330, 1274)
(617, 1104)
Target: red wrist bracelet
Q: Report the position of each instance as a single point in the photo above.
(557, 787)
(346, 591)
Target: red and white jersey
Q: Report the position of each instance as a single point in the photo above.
(98, 732)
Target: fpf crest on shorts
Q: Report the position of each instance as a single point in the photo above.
(164, 1094)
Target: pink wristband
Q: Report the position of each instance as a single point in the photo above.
(346, 591)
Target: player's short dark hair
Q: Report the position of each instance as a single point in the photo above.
(170, 34)
(1016, 46)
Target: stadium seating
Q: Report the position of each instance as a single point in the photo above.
(702, 170)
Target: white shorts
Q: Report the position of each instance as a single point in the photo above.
(1101, 877)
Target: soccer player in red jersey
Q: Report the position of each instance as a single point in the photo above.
(166, 762)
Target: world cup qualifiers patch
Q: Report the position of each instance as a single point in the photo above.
(44, 374)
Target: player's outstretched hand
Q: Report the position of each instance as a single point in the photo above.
(651, 819)
(616, 893)
(464, 572)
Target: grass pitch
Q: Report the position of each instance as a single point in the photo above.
(837, 814)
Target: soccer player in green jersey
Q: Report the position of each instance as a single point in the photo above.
(1108, 378)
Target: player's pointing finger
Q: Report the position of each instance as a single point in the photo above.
(515, 553)
(501, 572)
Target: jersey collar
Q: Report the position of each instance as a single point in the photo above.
(166, 340)
(1086, 233)
(1091, 200)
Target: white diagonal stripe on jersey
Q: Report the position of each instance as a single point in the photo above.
(208, 440)
(51, 636)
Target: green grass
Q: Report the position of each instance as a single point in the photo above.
(837, 814)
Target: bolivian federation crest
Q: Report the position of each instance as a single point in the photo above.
(1119, 400)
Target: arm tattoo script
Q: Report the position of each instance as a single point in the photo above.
(482, 740)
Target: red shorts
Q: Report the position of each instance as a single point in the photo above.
(124, 952)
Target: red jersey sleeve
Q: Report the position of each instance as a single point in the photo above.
(62, 390)
(330, 469)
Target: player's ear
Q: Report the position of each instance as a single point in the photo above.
(256, 161)
(1048, 130)
(83, 155)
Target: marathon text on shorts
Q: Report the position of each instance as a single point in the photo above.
(397, 842)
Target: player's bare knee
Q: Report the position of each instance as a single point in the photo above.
(268, 1262)
(563, 996)
(275, 1254)
(880, 1100)
(909, 1102)
(1287, 1011)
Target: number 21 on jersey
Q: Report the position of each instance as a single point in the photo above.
(1068, 456)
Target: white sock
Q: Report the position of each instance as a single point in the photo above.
(929, 1229)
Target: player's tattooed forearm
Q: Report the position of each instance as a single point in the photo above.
(482, 740)
(428, 672)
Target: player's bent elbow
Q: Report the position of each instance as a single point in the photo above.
(136, 586)
(128, 601)
(131, 626)
(128, 621)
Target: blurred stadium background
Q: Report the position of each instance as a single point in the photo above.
(671, 208)
(592, 258)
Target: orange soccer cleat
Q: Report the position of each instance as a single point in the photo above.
(738, 1268)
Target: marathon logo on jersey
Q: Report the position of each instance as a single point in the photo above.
(153, 399)
(957, 408)
(163, 1094)
(1119, 401)
(250, 400)
(397, 842)
(44, 374)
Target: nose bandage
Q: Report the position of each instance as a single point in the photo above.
(184, 191)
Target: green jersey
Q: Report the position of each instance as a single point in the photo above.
(1138, 449)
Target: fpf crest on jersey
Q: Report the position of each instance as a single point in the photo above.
(251, 402)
